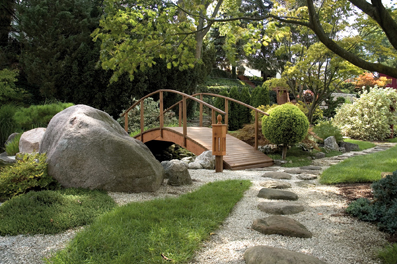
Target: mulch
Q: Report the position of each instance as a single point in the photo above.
(353, 191)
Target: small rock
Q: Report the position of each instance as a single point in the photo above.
(279, 162)
(307, 177)
(277, 175)
(277, 194)
(271, 255)
(31, 140)
(305, 184)
(281, 225)
(276, 184)
(319, 155)
(195, 166)
(331, 144)
(280, 208)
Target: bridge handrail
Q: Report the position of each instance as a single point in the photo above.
(182, 111)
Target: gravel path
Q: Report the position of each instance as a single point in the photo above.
(337, 239)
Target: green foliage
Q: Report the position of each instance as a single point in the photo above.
(264, 108)
(286, 125)
(12, 147)
(317, 114)
(9, 93)
(260, 96)
(325, 129)
(38, 115)
(175, 227)
(332, 105)
(388, 255)
(361, 168)
(383, 209)
(51, 212)
(151, 116)
(27, 174)
(369, 117)
(7, 123)
(361, 144)
(239, 114)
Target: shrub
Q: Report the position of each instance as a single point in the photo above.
(383, 209)
(38, 115)
(51, 212)
(27, 174)
(317, 115)
(325, 129)
(260, 96)
(151, 116)
(370, 116)
(285, 125)
(264, 108)
(12, 147)
(7, 123)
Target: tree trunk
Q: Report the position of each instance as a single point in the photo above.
(284, 153)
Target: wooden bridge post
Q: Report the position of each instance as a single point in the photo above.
(126, 122)
(161, 113)
(142, 120)
(201, 111)
(184, 121)
(180, 113)
(256, 130)
(219, 143)
(226, 111)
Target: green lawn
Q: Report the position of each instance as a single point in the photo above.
(366, 168)
(142, 232)
(394, 140)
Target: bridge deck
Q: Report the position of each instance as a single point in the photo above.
(239, 155)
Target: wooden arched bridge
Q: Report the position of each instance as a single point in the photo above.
(239, 155)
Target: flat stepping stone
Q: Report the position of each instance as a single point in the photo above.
(299, 171)
(271, 255)
(277, 175)
(277, 194)
(307, 177)
(280, 208)
(264, 169)
(310, 168)
(276, 184)
(281, 225)
(305, 184)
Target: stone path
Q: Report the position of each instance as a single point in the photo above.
(281, 225)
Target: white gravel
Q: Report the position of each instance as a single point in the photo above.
(337, 239)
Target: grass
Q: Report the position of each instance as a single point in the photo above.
(142, 232)
(388, 254)
(361, 144)
(393, 140)
(51, 212)
(12, 147)
(365, 168)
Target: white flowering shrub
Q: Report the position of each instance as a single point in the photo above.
(370, 117)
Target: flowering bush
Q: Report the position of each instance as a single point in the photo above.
(370, 117)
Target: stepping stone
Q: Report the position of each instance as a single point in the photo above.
(280, 208)
(310, 168)
(299, 171)
(271, 255)
(264, 169)
(276, 184)
(307, 177)
(277, 175)
(305, 184)
(281, 225)
(277, 194)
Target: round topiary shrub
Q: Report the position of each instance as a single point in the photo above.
(285, 125)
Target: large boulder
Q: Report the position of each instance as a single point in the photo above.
(176, 172)
(331, 144)
(87, 148)
(30, 140)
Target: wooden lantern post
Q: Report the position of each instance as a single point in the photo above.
(219, 143)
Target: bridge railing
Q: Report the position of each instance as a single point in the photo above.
(226, 113)
(182, 111)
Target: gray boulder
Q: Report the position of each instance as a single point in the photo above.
(280, 208)
(281, 225)
(349, 146)
(271, 255)
(276, 184)
(87, 148)
(30, 140)
(206, 160)
(177, 173)
(319, 155)
(331, 144)
(277, 194)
